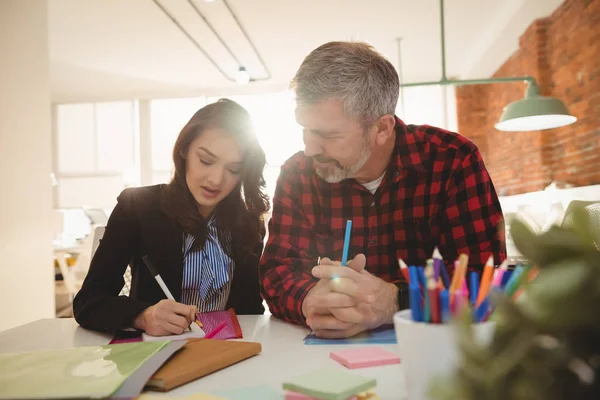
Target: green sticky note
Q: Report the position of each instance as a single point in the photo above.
(84, 372)
(260, 392)
(330, 384)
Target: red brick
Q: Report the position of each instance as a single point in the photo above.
(562, 52)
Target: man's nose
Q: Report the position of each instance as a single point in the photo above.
(312, 147)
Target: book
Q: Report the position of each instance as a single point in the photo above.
(198, 358)
(75, 373)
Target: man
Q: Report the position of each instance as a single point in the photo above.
(406, 189)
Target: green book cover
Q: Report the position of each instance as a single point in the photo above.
(84, 372)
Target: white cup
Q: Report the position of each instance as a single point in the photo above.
(429, 351)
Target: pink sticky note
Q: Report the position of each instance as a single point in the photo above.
(298, 396)
(365, 357)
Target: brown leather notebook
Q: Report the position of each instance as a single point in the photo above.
(198, 358)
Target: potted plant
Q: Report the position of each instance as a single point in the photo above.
(547, 342)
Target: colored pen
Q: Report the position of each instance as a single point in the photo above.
(437, 259)
(415, 294)
(426, 305)
(499, 274)
(474, 288)
(445, 305)
(218, 329)
(404, 269)
(486, 280)
(346, 242)
(434, 301)
(513, 283)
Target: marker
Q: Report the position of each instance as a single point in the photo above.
(193, 327)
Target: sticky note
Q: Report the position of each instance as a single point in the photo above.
(365, 357)
(300, 396)
(330, 384)
(259, 392)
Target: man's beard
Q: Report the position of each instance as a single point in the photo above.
(337, 173)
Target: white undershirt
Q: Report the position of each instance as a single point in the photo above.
(373, 185)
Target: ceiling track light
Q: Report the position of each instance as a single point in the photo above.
(532, 113)
(242, 76)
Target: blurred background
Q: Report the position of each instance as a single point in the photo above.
(93, 94)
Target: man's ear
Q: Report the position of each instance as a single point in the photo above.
(384, 128)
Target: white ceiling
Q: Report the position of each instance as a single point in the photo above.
(109, 49)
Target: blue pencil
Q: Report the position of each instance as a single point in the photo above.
(346, 242)
(482, 310)
(415, 302)
(474, 287)
(445, 305)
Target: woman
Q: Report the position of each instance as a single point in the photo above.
(202, 232)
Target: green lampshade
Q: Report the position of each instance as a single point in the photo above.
(534, 113)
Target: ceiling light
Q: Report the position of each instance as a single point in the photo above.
(534, 113)
(242, 77)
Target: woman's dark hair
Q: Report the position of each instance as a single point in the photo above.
(238, 216)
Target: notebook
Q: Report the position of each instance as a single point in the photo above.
(330, 384)
(198, 358)
(211, 320)
(364, 357)
(75, 373)
(134, 385)
(382, 335)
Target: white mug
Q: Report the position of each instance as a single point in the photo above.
(428, 351)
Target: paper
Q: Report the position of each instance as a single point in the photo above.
(260, 392)
(211, 320)
(365, 357)
(83, 372)
(382, 335)
(330, 384)
(185, 335)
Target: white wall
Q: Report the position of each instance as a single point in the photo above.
(26, 273)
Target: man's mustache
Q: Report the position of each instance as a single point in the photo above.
(323, 160)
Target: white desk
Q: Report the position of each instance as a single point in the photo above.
(283, 356)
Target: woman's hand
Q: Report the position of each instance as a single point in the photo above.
(167, 317)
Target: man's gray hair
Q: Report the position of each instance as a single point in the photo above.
(355, 73)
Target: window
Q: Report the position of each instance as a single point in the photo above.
(167, 118)
(96, 153)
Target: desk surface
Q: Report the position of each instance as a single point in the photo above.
(283, 356)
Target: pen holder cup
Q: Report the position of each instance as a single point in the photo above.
(429, 351)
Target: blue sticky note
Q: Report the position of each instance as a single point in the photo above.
(382, 335)
(259, 392)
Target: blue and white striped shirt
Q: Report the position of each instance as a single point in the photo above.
(207, 273)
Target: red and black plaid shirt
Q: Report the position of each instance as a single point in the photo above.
(436, 192)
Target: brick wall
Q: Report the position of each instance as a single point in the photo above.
(563, 53)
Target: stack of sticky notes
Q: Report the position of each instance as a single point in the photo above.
(365, 357)
(329, 384)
